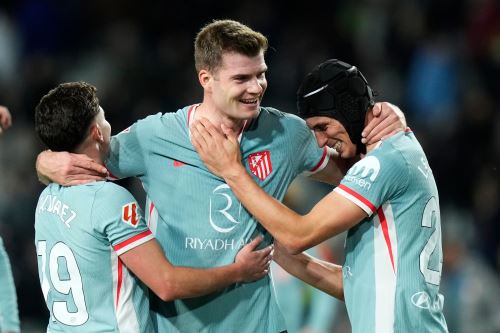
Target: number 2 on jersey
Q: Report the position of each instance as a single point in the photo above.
(431, 212)
(66, 286)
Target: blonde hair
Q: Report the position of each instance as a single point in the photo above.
(222, 36)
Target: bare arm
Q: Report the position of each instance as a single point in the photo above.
(169, 282)
(68, 169)
(296, 232)
(318, 273)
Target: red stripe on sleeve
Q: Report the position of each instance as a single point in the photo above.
(320, 161)
(117, 247)
(359, 197)
(385, 231)
(120, 280)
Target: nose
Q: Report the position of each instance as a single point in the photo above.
(256, 86)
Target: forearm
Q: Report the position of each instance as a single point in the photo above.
(191, 282)
(283, 223)
(318, 273)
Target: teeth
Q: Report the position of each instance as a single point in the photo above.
(249, 101)
(337, 145)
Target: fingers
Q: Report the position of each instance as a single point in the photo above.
(387, 120)
(82, 163)
(254, 243)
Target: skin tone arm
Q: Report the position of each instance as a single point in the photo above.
(295, 232)
(68, 169)
(148, 262)
(318, 273)
(386, 120)
(74, 169)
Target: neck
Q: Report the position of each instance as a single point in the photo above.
(92, 150)
(218, 118)
(372, 146)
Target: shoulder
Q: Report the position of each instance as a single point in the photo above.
(109, 194)
(290, 121)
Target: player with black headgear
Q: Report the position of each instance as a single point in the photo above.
(388, 202)
(338, 90)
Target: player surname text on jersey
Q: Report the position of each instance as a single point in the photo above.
(51, 204)
(214, 244)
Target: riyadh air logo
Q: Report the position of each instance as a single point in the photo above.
(130, 215)
(260, 164)
(366, 166)
(221, 209)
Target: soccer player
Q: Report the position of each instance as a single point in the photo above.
(388, 201)
(9, 315)
(89, 236)
(193, 214)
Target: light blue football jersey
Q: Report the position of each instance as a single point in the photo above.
(198, 220)
(393, 262)
(9, 314)
(79, 233)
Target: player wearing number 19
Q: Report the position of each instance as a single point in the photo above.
(89, 236)
(388, 201)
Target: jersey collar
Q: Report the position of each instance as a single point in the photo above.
(192, 112)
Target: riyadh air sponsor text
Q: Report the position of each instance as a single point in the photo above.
(213, 244)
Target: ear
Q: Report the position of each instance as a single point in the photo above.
(96, 133)
(205, 78)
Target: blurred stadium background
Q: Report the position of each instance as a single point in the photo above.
(438, 60)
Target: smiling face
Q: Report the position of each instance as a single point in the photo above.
(330, 132)
(235, 88)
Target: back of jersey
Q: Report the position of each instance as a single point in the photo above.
(393, 262)
(79, 233)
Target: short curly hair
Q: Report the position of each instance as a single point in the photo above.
(222, 36)
(64, 115)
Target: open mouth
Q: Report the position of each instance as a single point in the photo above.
(249, 101)
(337, 146)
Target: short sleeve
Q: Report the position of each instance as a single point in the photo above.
(117, 216)
(375, 179)
(306, 152)
(130, 148)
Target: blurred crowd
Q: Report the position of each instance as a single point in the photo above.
(438, 60)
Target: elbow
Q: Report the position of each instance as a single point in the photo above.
(167, 291)
(294, 245)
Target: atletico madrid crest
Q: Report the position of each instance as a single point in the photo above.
(260, 164)
(130, 215)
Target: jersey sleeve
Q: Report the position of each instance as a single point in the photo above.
(117, 216)
(375, 179)
(306, 152)
(130, 148)
(9, 315)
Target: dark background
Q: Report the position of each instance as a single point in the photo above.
(438, 60)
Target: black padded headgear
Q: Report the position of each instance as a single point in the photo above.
(338, 90)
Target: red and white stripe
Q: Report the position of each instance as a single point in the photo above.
(357, 198)
(323, 161)
(123, 287)
(132, 242)
(385, 248)
(385, 252)
(152, 217)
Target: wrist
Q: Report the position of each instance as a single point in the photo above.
(234, 172)
(236, 271)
